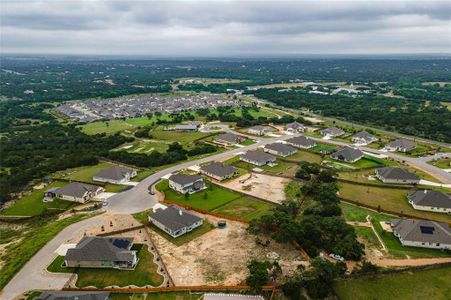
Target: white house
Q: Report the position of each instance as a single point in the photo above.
(430, 200)
(185, 183)
(115, 175)
(78, 192)
(175, 220)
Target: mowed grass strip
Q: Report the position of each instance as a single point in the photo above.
(32, 204)
(431, 284)
(245, 208)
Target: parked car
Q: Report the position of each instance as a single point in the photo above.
(336, 257)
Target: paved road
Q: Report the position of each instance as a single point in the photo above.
(137, 199)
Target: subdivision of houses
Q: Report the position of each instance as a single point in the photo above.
(422, 233)
(258, 158)
(332, 132)
(186, 183)
(396, 175)
(102, 252)
(280, 149)
(401, 145)
(218, 170)
(115, 175)
(74, 191)
(347, 154)
(363, 138)
(430, 200)
(257, 130)
(302, 142)
(175, 220)
(72, 295)
(229, 139)
(295, 127)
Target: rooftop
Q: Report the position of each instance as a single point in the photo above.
(174, 217)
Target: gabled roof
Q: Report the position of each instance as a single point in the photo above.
(184, 179)
(280, 148)
(257, 127)
(230, 137)
(401, 143)
(302, 140)
(364, 135)
(69, 295)
(101, 248)
(347, 153)
(258, 156)
(396, 173)
(185, 127)
(430, 198)
(332, 131)
(295, 125)
(423, 231)
(114, 173)
(219, 169)
(77, 189)
(174, 217)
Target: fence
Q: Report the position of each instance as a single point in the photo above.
(122, 230)
(200, 288)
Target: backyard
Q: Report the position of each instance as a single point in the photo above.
(187, 237)
(301, 155)
(430, 284)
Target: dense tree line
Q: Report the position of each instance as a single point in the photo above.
(414, 117)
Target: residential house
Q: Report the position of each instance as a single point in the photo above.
(175, 220)
(257, 130)
(50, 194)
(347, 154)
(258, 158)
(186, 183)
(72, 295)
(78, 192)
(430, 200)
(102, 252)
(401, 145)
(218, 171)
(184, 127)
(295, 127)
(396, 175)
(115, 175)
(302, 142)
(332, 132)
(280, 149)
(229, 139)
(364, 138)
(422, 233)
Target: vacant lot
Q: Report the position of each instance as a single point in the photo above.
(442, 163)
(305, 156)
(118, 125)
(430, 284)
(187, 237)
(283, 168)
(177, 136)
(220, 256)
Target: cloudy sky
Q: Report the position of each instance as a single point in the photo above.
(225, 28)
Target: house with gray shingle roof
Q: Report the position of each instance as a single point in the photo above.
(280, 149)
(302, 142)
(78, 192)
(102, 252)
(218, 170)
(175, 220)
(422, 233)
(72, 295)
(257, 130)
(430, 200)
(115, 175)
(363, 138)
(332, 132)
(229, 138)
(347, 154)
(401, 145)
(396, 175)
(258, 158)
(186, 183)
(295, 127)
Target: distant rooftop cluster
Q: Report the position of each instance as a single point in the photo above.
(141, 105)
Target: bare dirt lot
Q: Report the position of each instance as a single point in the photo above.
(262, 186)
(220, 256)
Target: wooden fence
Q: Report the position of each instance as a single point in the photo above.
(199, 288)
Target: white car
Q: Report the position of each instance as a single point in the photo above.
(336, 257)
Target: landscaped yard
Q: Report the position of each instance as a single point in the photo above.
(283, 167)
(144, 274)
(323, 147)
(418, 285)
(32, 204)
(187, 237)
(301, 155)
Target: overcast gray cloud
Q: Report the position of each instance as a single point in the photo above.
(224, 28)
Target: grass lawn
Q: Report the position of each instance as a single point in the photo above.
(177, 136)
(305, 156)
(282, 168)
(420, 150)
(32, 204)
(365, 162)
(245, 208)
(144, 274)
(248, 142)
(390, 199)
(157, 296)
(32, 240)
(323, 147)
(187, 237)
(368, 236)
(442, 163)
(144, 147)
(108, 127)
(86, 173)
(354, 213)
(419, 285)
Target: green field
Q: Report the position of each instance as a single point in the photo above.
(442, 163)
(283, 167)
(144, 147)
(301, 155)
(419, 285)
(32, 204)
(323, 147)
(219, 200)
(144, 274)
(183, 138)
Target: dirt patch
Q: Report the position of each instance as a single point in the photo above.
(259, 185)
(220, 256)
